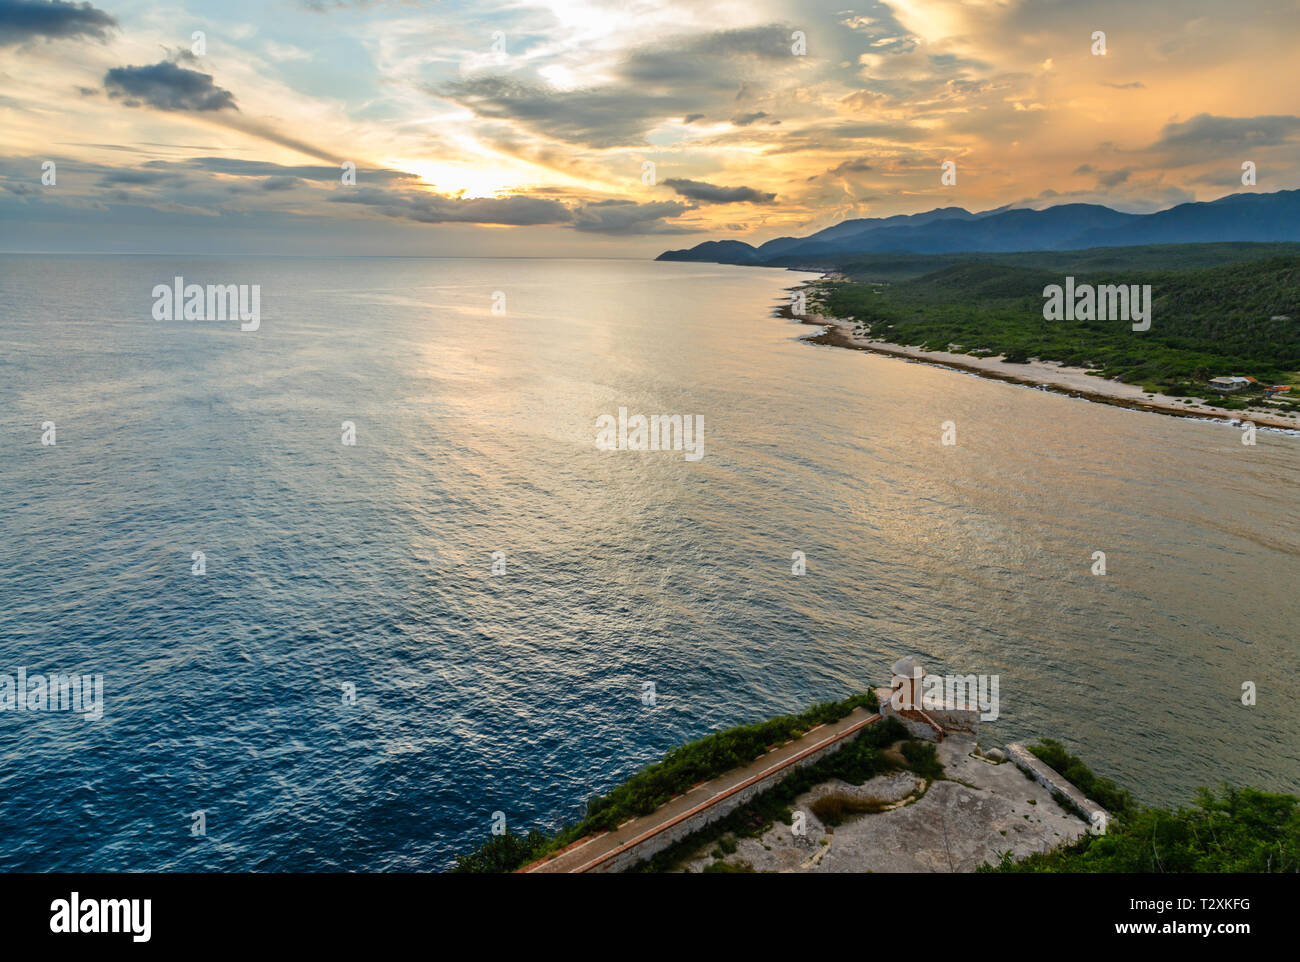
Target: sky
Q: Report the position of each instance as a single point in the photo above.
(616, 129)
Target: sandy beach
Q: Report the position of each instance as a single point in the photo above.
(1045, 375)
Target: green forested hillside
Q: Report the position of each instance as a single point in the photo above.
(1153, 257)
(1205, 321)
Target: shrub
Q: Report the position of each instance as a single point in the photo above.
(1236, 830)
(729, 867)
(1103, 791)
(923, 758)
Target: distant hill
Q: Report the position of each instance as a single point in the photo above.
(946, 230)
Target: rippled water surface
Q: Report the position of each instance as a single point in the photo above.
(371, 565)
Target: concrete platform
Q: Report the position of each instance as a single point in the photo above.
(979, 812)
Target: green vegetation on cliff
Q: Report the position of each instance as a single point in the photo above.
(1229, 831)
(1232, 830)
(645, 791)
(1101, 790)
(861, 759)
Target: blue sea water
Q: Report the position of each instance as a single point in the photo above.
(371, 565)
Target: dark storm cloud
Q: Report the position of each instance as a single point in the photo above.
(707, 193)
(23, 20)
(167, 86)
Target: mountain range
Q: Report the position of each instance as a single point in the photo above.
(944, 230)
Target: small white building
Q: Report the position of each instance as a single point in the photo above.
(928, 719)
(1229, 385)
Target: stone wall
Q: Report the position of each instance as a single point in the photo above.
(965, 720)
(1055, 782)
(692, 823)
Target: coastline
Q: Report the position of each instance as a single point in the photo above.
(1043, 375)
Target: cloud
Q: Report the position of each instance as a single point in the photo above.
(170, 87)
(139, 177)
(556, 129)
(843, 170)
(600, 118)
(235, 167)
(166, 86)
(1219, 178)
(628, 217)
(427, 207)
(280, 183)
(211, 183)
(1207, 131)
(687, 76)
(862, 100)
(706, 193)
(850, 167)
(817, 135)
(23, 20)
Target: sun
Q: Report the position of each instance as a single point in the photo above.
(461, 180)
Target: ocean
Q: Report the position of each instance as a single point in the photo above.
(459, 613)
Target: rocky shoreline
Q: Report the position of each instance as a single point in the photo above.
(1043, 375)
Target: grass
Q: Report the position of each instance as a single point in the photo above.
(835, 808)
(730, 868)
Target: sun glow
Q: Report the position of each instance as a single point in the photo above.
(469, 182)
